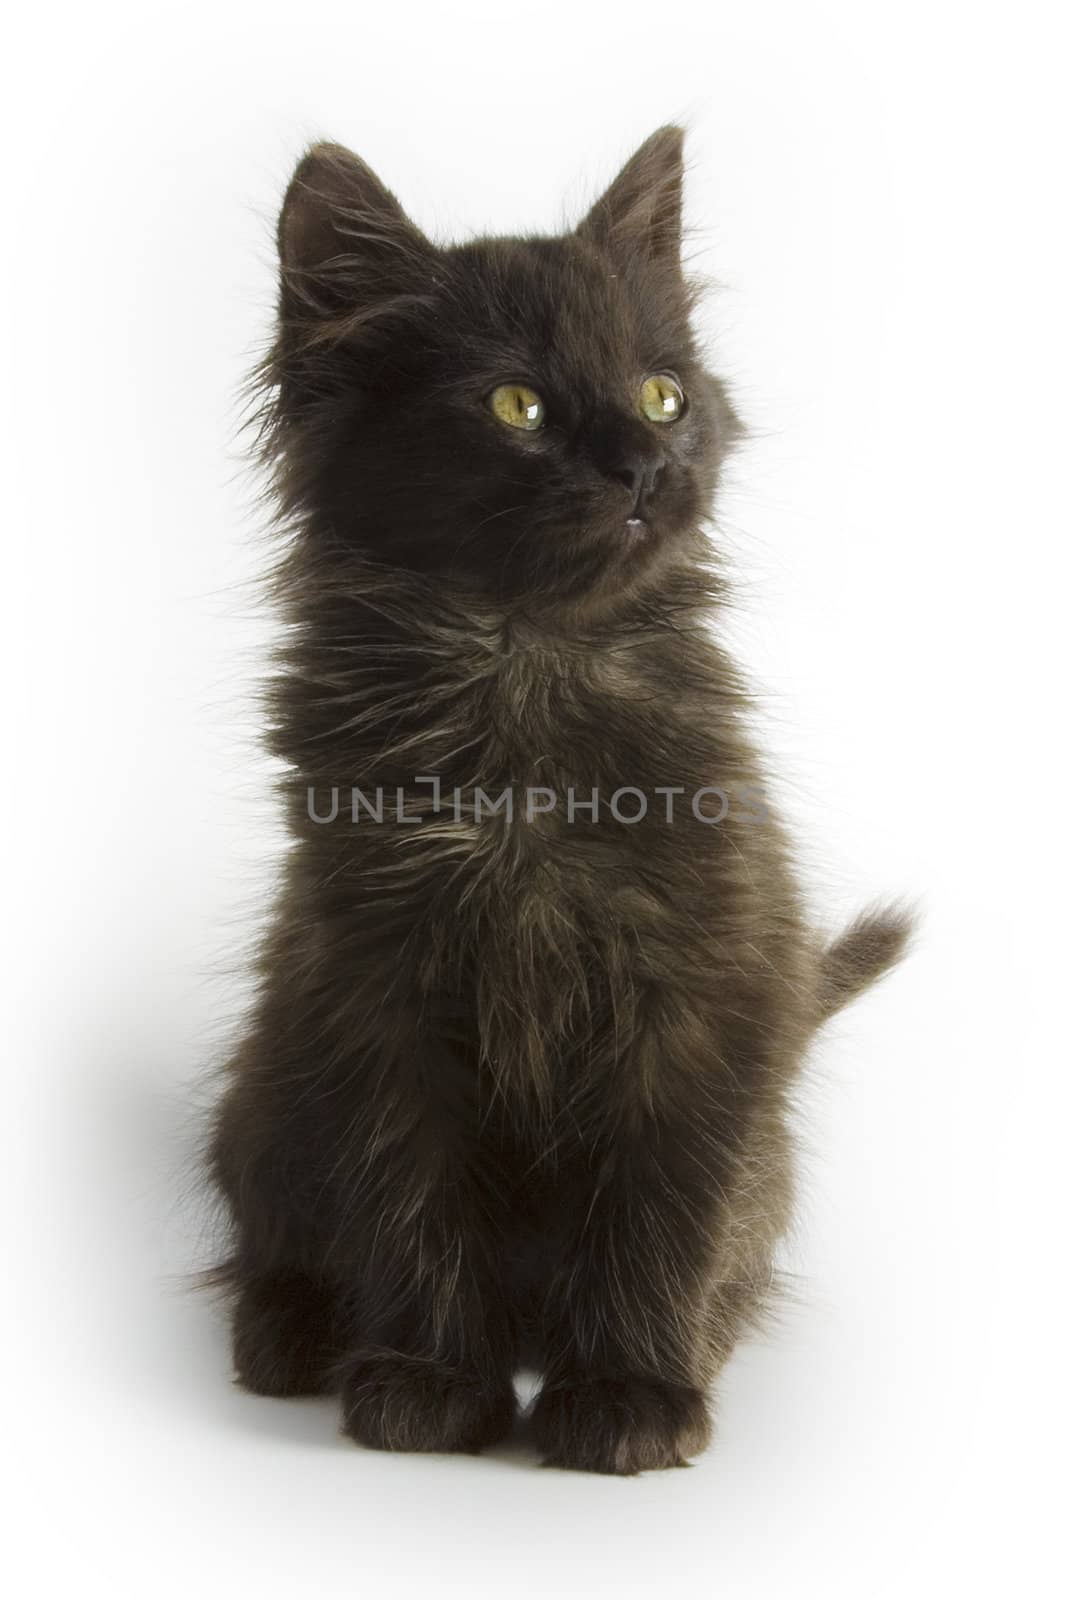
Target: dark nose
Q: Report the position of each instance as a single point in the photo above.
(639, 471)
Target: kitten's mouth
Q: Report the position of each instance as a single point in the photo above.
(640, 527)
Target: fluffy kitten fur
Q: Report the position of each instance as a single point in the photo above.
(510, 1090)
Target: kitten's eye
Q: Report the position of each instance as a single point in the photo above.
(518, 406)
(662, 399)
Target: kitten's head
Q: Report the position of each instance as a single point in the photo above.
(525, 417)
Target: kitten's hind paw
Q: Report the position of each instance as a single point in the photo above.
(284, 1338)
(394, 1402)
(620, 1425)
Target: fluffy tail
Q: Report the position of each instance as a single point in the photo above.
(866, 950)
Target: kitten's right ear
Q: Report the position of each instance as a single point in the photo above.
(341, 227)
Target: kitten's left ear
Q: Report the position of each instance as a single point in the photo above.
(642, 209)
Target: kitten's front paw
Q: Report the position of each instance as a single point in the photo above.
(393, 1403)
(620, 1425)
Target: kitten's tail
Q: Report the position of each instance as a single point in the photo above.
(862, 954)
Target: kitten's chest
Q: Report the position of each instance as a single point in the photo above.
(563, 775)
(585, 722)
(537, 780)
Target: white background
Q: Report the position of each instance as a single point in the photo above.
(879, 192)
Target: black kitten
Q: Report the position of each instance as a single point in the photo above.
(539, 982)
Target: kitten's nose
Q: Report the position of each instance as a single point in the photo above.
(640, 472)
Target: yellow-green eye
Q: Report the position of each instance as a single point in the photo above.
(662, 399)
(518, 406)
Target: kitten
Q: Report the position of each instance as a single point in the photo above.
(515, 1085)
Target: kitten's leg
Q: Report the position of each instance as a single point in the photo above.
(433, 1366)
(625, 1326)
(285, 1316)
(631, 1329)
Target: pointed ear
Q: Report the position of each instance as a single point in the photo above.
(340, 224)
(642, 209)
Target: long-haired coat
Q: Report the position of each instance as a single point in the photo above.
(517, 1078)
